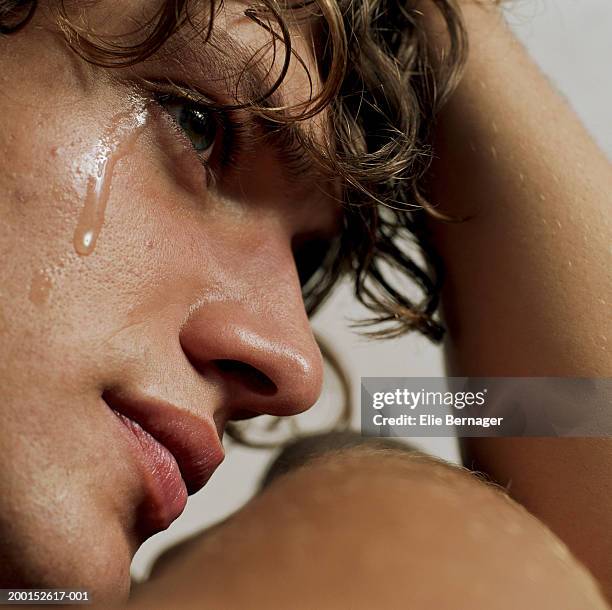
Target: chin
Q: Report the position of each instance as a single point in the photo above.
(66, 554)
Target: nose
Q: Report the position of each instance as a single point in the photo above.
(256, 344)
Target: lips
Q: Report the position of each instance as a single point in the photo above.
(178, 452)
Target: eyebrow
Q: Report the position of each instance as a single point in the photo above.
(223, 58)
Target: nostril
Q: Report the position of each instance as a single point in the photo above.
(247, 376)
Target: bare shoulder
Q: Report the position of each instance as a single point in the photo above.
(371, 527)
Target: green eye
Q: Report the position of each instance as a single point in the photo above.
(198, 123)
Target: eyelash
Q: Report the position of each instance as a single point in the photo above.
(239, 129)
(234, 132)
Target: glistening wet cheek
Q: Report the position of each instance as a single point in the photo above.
(118, 142)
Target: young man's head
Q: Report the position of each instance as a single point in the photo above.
(181, 185)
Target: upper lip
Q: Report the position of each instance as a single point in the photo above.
(192, 439)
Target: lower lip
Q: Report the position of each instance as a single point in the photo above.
(167, 493)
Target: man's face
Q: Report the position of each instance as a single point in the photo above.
(136, 282)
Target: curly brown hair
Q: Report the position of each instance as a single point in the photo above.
(380, 93)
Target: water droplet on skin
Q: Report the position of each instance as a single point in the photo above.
(476, 529)
(126, 127)
(40, 288)
(494, 152)
(20, 196)
(513, 528)
(560, 550)
(87, 239)
(532, 571)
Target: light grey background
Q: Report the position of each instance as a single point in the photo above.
(572, 42)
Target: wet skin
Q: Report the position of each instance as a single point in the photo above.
(133, 280)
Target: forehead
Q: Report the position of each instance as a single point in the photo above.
(249, 42)
(258, 37)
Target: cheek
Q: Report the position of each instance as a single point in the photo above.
(94, 214)
(71, 239)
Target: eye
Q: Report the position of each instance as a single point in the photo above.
(200, 124)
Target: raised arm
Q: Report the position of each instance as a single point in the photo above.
(529, 277)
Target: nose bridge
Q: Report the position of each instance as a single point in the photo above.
(253, 336)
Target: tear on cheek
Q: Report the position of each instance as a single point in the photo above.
(119, 141)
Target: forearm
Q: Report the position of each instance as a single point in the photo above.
(528, 285)
(529, 276)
